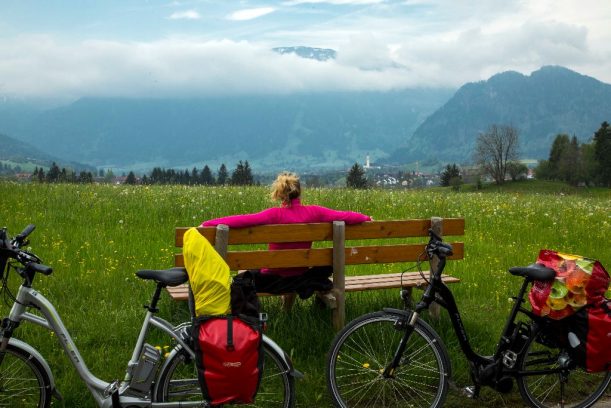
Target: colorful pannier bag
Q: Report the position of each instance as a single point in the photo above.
(579, 282)
(578, 302)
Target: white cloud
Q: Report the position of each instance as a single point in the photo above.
(185, 15)
(172, 67)
(337, 2)
(367, 52)
(250, 14)
(446, 43)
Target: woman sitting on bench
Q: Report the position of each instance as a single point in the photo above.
(287, 189)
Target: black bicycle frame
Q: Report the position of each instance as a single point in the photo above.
(438, 291)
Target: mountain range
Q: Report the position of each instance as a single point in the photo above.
(15, 152)
(303, 131)
(552, 100)
(314, 131)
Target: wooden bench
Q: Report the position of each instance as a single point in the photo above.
(338, 255)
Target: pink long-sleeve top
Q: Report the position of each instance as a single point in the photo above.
(293, 213)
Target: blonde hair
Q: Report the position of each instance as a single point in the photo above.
(286, 187)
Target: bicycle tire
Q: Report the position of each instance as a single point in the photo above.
(23, 380)
(178, 381)
(361, 351)
(581, 390)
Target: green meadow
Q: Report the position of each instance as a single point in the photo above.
(96, 236)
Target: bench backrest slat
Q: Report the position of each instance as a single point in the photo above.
(355, 255)
(263, 234)
(402, 229)
(324, 231)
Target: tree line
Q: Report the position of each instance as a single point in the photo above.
(497, 150)
(8, 170)
(241, 176)
(57, 175)
(575, 163)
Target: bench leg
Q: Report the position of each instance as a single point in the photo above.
(435, 310)
(288, 301)
(326, 299)
(339, 313)
(409, 299)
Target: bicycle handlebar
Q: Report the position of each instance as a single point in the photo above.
(437, 247)
(20, 239)
(12, 249)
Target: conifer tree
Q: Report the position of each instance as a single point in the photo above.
(131, 178)
(222, 175)
(450, 172)
(602, 153)
(53, 173)
(356, 177)
(242, 175)
(195, 176)
(237, 175)
(206, 176)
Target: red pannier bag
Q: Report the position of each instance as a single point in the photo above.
(591, 342)
(598, 340)
(229, 358)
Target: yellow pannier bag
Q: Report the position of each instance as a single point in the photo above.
(209, 276)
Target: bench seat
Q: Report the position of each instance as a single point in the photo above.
(353, 283)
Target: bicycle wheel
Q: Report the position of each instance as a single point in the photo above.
(362, 350)
(576, 388)
(23, 381)
(179, 382)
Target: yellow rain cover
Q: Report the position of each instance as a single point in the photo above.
(208, 275)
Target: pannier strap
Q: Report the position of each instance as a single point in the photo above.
(230, 346)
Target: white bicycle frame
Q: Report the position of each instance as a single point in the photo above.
(100, 390)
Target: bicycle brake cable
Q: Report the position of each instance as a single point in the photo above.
(7, 295)
(420, 267)
(416, 265)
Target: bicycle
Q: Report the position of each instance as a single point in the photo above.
(26, 379)
(393, 358)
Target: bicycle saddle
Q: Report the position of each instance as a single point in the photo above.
(533, 272)
(168, 277)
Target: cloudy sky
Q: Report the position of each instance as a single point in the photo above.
(133, 48)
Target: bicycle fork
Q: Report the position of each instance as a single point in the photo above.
(406, 323)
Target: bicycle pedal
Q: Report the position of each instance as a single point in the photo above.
(112, 388)
(471, 391)
(112, 391)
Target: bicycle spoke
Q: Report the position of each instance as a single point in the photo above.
(363, 355)
(21, 381)
(179, 383)
(545, 387)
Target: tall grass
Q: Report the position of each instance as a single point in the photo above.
(96, 237)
